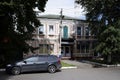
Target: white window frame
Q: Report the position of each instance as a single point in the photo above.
(86, 31)
(43, 29)
(52, 30)
(80, 30)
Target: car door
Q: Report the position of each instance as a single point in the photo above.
(29, 64)
(42, 63)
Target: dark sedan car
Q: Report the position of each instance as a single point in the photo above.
(50, 63)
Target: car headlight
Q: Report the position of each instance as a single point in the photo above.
(9, 65)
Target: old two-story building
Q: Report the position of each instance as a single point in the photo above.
(84, 41)
(71, 39)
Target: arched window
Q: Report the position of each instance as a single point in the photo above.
(65, 32)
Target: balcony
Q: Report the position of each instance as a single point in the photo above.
(82, 54)
(86, 37)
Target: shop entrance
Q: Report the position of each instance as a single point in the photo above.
(65, 51)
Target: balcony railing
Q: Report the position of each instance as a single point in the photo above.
(82, 54)
(86, 37)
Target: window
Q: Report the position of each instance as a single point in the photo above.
(87, 31)
(51, 29)
(41, 29)
(78, 30)
(46, 48)
(32, 59)
(52, 58)
(43, 58)
(43, 48)
(65, 32)
(85, 47)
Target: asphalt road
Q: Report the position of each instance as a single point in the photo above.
(69, 74)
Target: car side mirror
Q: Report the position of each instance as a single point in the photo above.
(25, 62)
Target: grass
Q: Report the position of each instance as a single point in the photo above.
(66, 64)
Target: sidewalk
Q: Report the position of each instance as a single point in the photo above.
(77, 64)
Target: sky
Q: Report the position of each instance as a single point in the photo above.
(68, 6)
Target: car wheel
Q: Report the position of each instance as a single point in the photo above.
(15, 70)
(52, 69)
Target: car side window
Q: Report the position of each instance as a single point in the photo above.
(52, 58)
(32, 59)
(42, 58)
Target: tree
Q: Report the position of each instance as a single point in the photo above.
(104, 21)
(109, 43)
(17, 22)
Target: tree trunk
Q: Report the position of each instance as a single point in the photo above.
(109, 59)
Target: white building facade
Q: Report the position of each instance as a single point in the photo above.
(71, 40)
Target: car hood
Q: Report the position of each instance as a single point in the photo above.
(15, 63)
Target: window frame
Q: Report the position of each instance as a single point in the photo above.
(51, 30)
(43, 29)
(80, 34)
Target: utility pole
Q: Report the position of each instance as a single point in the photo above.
(60, 33)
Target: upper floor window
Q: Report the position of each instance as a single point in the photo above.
(51, 29)
(78, 30)
(65, 32)
(41, 29)
(87, 31)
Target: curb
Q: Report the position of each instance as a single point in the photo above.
(69, 67)
(118, 65)
(102, 65)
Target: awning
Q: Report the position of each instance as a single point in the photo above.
(67, 43)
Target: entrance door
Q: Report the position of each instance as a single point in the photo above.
(65, 51)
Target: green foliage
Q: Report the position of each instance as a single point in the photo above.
(109, 41)
(17, 22)
(101, 13)
(104, 21)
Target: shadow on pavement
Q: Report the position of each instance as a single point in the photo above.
(94, 64)
(39, 72)
(4, 75)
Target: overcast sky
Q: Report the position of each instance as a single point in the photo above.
(68, 6)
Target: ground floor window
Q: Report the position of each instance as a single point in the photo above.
(83, 47)
(46, 48)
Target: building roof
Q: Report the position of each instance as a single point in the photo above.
(52, 16)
